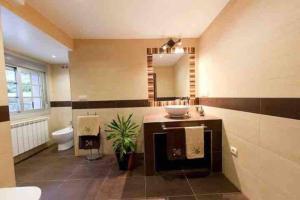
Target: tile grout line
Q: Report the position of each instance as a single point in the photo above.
(190, 186)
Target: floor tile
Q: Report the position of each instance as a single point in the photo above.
(89, 171)
(26, 174)
(78, 189)
(233, 196)
(167, 185)
(214, 183)
(137, 171)
(61, 175)
(122, 188)
(190, 197)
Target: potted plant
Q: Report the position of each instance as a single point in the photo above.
(123, 133)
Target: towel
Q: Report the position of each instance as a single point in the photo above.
(176, 144)
(88, 125)
(194, 142)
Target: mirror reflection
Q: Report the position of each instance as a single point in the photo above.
(171, 76)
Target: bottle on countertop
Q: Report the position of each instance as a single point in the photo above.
(201, 111)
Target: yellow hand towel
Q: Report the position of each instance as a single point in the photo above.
(88, 125)
(194, 142)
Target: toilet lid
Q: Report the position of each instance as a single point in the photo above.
(17, 193)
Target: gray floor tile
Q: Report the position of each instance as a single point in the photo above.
(214, 183)
(167, 185)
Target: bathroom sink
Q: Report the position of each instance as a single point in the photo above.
(177, 110)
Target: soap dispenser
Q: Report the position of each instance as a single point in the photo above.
(200, 110)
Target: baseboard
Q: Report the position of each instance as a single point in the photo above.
(32, 152)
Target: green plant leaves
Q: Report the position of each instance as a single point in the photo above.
(123, 133)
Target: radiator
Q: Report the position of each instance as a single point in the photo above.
(27, 135)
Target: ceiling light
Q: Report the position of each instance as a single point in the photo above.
(53, 56)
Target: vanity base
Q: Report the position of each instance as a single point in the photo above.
(151, 128)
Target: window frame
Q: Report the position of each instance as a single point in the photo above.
(42, 84)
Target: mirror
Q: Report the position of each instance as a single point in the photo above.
(171, 76)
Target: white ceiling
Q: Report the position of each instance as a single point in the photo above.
(166, 60)
(130, 18)
(23, 38)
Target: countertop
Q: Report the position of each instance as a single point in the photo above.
(162, 117)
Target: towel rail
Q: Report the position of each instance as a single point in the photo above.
(163, 126)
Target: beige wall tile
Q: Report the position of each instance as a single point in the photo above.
(7, 172)
(112, 69)
(234, 122)
(283, 173)
(248, 183)
(267, 191)
(5, 138)
(60, 83)
(281, 136)
(230, 169)
(60, 117)
(248, 154)
(249, 51)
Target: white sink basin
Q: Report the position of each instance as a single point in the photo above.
(17, 193)
(177, 110)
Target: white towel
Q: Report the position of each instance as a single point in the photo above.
(88, 125)
(194, 142)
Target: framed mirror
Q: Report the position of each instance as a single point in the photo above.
(171, 75)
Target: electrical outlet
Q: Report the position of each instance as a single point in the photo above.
(234, 151)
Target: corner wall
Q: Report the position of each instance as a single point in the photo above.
(60, 97)
(251, 50)
(7, 172)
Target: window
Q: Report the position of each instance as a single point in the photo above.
(26, 89)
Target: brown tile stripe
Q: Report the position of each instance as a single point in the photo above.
(110, 104)
(241, 104)
(61, 104)
(4, 114)
(280, 107)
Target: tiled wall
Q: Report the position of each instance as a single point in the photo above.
(60, 93)
(105, 70)
(250, 51)
(7, 174)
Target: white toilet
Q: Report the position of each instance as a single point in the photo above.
(64, 138)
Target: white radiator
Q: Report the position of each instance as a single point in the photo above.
(29, 134)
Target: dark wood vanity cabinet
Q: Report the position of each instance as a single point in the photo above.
(153, 125)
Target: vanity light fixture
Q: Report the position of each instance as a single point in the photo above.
(179, 50)
(171, 43)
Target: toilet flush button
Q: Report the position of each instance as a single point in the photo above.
(234, 151)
